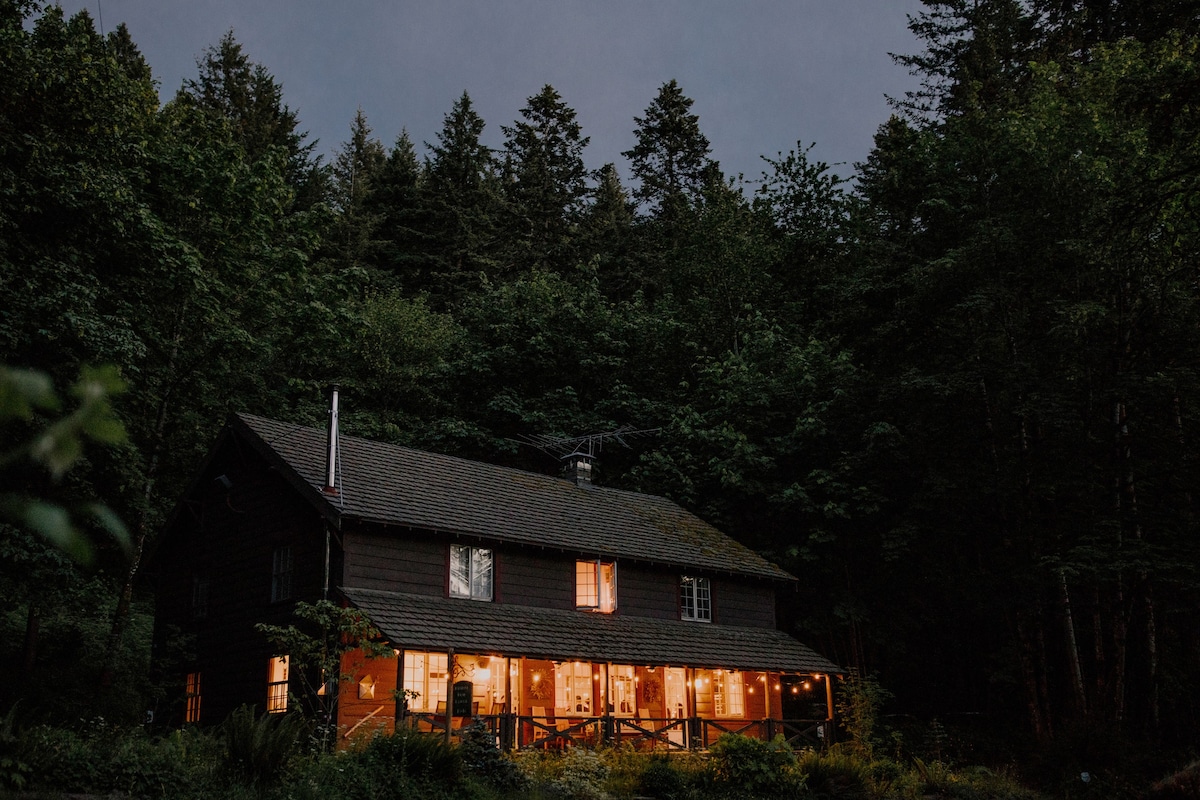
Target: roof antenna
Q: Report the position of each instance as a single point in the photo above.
(579, 453)
(331, 460)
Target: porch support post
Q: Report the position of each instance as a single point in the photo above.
(766, 685)
(506, 733)
(693, 718)
(609, 730)
(401, 698)
(449, 691)
(828, 697)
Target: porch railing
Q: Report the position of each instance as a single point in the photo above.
(517, 732)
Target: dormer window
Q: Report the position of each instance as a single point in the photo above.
(470, 572)
(695, 599)
(596, 586)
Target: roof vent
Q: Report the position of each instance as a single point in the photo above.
(332, 457)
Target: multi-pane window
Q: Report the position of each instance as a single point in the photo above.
(470, 572)
(695, 599)
(573, 687)
(425, 680)
(281, 574)
(277, 685)
(191, 709)
(199, 597)
(596, 586)
(728, 699)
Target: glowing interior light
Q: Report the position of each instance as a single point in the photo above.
(537, 677)
(795, 690)
(483, 674)
(777, 687)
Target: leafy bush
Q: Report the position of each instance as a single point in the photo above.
(481, 757)
(1184, 783)
(409, 754)
(258, 747)
(754, 767)
(661, 780)
(834, 774)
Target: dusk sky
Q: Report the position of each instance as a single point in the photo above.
(764, 74)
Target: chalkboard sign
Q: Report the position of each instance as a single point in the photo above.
(462, 699)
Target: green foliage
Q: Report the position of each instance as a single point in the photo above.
(859, 700)
(481, 757)
(57, 447)
(748, 766)
(420, 757)
(258, 747)
(836, 774)
(661, 780)
(326, 632)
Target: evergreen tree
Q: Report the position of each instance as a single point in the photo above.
(546, 186)
(231, 87)
(356, 172)
(395, 201)
(670, 159)
(461, 202)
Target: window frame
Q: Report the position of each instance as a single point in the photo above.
(200, 595)
(277, 684)
(191, 695)
(604, 592)
(695, 598)
(474, 559)
(281, 574)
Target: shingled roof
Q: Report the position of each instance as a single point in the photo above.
(429, 622)
(394, 485)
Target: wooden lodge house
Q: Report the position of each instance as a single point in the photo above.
(555, 610)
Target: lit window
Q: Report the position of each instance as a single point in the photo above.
(281, 574)
(470, 572)
(199, 597)
(191, 709)
(425, 680)
(596, 586)
(573, 687)
(695, 599)
(728, 699)
(277, 685)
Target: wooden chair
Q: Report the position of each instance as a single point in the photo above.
(539, 717)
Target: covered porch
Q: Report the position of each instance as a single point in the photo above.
(545, 678)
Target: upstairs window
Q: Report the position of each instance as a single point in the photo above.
(596, 586)
(199, 597)
(277, 685)
(470, 572)
(281, 574)
(695, 599)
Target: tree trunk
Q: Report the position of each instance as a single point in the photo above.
(120, 620)
(1080, 697)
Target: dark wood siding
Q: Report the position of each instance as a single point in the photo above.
(746, 604)
(533, 579)
(645, 592)
(228, 536)
(394, 562)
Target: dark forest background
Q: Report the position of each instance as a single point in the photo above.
(957, 393)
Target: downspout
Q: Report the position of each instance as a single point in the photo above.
(330, 489)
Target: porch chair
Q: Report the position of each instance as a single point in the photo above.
(539, 717)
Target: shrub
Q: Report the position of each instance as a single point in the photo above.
(481, 756)
(258, 747)
(1184, 783)
(661, 780)
(753, 766)
(834, 774)
(417, 756)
